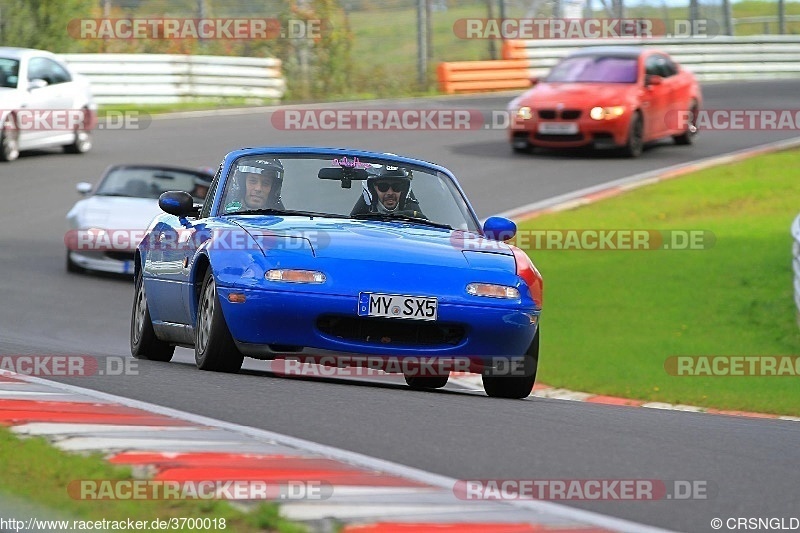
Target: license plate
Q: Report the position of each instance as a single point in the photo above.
(558, 128)
(397, 306)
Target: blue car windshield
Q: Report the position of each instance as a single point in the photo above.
(595, 69)
(345, 187)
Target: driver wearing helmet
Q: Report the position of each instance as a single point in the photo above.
(200, 190)
(256, 184)
(388, 191)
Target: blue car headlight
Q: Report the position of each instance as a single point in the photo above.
(287, 275)
(491, 290)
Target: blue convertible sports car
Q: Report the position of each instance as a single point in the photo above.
(336, 254)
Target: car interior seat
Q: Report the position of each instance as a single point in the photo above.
(138, 189)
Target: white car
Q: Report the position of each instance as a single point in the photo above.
(106, 227)
(43, 103)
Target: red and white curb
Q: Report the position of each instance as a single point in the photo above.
(368, 495)
(607, 190)
(473, 382)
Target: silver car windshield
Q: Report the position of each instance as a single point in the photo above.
(9, 73)
(343, 187)
(146, 182)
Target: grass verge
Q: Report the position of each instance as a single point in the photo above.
(612, 318)
(114, 110)
(38, 473)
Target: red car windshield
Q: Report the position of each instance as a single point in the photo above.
(595, 69)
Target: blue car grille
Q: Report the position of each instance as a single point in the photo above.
(389, 331)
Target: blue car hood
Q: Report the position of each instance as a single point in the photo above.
(366, 239)
(376, 256)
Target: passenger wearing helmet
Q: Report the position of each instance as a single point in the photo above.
(256, 184)
(388, 191)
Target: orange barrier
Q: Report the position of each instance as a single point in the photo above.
(513, 49)
(477, 76)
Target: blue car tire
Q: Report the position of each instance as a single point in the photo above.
(515, 387)
(214, 348)
(144, 343)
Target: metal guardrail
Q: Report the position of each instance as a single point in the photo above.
(711, 59)
(771, 19)
(166, 79)
(796, 264)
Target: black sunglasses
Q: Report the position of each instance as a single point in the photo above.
(385, 185)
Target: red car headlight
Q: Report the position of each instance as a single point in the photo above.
(606, 113)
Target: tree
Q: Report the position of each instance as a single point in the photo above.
(43, 23)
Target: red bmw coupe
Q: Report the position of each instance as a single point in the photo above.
(607, 97)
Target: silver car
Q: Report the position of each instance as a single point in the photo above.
(42, 103)
(107, 225)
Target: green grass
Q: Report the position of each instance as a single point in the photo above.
(36, 472)
(612, 318)
(155, 109)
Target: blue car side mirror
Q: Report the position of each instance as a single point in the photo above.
(499, 228)
(178, 203)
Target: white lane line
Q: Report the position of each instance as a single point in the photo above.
(365, 461)
(318, 511)
(17, 393)
(107, 444)
(54, 428)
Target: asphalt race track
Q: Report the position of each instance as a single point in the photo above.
(751, 465)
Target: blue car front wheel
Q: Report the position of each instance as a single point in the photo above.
(516, 386)
(214, 348)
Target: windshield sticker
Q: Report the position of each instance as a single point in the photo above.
(233, 206)
(350, 163)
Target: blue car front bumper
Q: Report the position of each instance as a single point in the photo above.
(269, 319)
